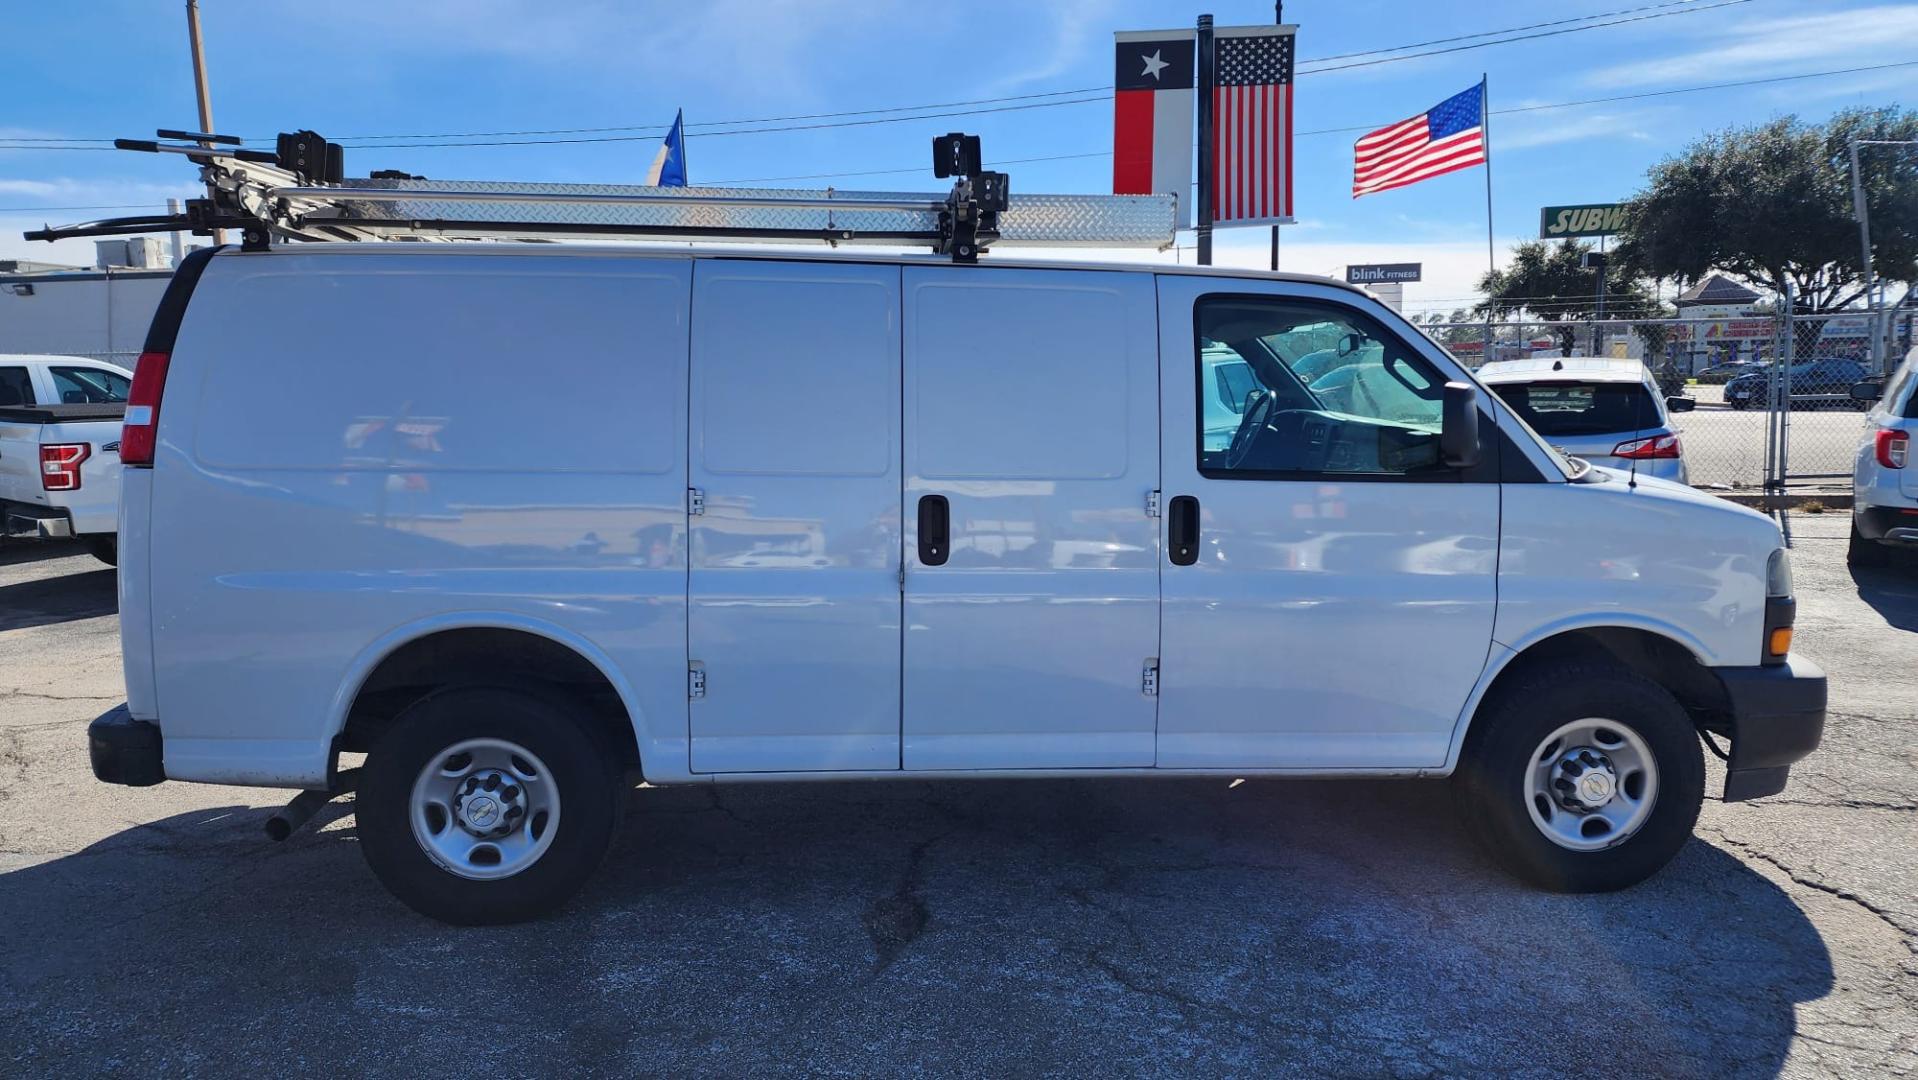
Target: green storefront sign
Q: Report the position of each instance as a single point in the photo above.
(1586, 219)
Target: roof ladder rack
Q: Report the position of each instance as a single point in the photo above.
(298, 191)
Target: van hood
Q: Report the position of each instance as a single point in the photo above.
(1613, 481)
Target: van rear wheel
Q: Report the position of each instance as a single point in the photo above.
(487, 805)
(1582, 778)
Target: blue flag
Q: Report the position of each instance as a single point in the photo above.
(669, 168)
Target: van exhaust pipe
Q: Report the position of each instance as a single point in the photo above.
(288, 819)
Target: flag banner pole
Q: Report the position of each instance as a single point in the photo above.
(1278, 19)
(1491, 250)
(1207, 136)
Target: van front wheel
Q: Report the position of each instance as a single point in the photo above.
(1582, 778)
(486, 805)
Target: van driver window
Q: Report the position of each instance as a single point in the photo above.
(1300, 388)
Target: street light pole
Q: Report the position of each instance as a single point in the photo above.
(1278, 18)
(1863, 216)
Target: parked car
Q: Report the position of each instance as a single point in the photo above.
(59, 444)
(1608, 412)
(1884, 503)
(1719, 374)
(1032, 552)
(1813, 383)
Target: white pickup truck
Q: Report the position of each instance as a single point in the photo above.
(60, 449)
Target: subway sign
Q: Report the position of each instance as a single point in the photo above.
(1588, 219)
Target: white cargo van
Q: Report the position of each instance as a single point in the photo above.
(525, 524)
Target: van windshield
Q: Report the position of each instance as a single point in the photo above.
(1562, 409)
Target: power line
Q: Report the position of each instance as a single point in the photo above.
(1372, 127)
(4, 144)
(1530, 37)
(1100, 94)
(1034, 100)
(697, 128)
(1048, 98)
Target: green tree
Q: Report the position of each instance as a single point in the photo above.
(1454, 329)
(1772, 205)
(1548, 282)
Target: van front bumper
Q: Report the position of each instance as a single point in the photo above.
(1777, 716)
(125, 750)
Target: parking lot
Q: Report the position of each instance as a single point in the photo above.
(1116, 927)
(1725, 448)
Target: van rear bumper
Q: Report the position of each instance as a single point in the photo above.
(125, 750)
(1777, 714)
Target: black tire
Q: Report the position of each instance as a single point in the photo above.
(1867, 553)
(586, 774)
(104, 548)
(1490, 784)
(1738, 404)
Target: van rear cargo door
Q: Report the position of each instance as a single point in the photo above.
(1032, 583)
(793, 634)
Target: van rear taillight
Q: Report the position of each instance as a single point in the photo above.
(143, 409)
(60, 465)
(1890, 447)
(1662, 446)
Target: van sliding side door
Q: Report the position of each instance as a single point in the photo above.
(1031, 584)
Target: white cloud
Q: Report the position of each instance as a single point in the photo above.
(776, 46)
(1076, 25)
(1851, 38)
(1525, 131)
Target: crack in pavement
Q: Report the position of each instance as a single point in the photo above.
(896, 921)
(1883, 914)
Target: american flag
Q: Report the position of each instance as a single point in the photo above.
(1448, 137)
(1252, 125)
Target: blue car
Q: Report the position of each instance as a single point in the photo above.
(1813, 383)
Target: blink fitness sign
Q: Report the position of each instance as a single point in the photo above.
(1590, 219)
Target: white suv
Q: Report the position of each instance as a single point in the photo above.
(525, 524)
(1884, 505)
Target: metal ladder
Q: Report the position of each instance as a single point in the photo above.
(299, 192)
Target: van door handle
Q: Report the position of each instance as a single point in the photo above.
(935, 530)
(1182, 531)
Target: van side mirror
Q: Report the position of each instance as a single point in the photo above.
(1681, 403)
(1870, 390)
(1458, 437)
(1350, 343)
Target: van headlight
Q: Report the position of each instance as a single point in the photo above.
(1778, 574)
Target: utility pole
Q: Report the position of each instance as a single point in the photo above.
(199, 88)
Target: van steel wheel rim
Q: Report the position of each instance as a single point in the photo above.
(1591, 784)
(484, 809)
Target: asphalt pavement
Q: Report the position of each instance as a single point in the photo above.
(1135, 927)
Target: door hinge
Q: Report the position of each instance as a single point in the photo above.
(1149, 678)
(1152, 503)
(696, 682)
(695, 501)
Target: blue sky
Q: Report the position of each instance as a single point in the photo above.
(354, 68)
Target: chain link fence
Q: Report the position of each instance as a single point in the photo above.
(1771, 395)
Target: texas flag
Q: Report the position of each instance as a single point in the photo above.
(1153, 105)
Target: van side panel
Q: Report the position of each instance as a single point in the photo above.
(794, 580)
(356, 443)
